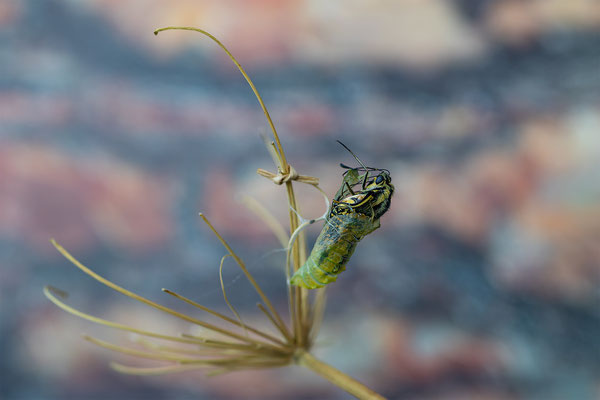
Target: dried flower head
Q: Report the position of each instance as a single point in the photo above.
(238, 346)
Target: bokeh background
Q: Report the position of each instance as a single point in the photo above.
(484, 280)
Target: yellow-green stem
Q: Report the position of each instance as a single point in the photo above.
(299, 299)
(336, 377)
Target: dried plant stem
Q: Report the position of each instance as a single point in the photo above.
(336, 377)
(262, 104)
(224, 317)
(141, 299)
(299, 296)
(275, 314)
(304, 321)
(253, 205)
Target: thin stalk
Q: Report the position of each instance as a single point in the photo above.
(316, 316)
(139, 298)
(139, 353)
(48, 292)
(149, 371)
(150, 345)
(219, 344)
(284, 165)
(253, 205)
(299, 301)
(224, 317)
(231, 307)
(264, 364)
(250, 278)
(269, 316)
(336, 377)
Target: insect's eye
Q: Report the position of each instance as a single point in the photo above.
(379, 179)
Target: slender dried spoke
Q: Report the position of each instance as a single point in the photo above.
(174, 358)
(263, 365)
(149, 371)
(300, 306)
(232, 308)
(128, 293)
(299, 301)
(49, 290)
(264, 310)
(316, 316)
(153, 370)
(304, 321)
(239, 360)
(240, 346)
(137, 353)
(292, 307)
(222, 344)
(253, 205)
(224, 317)
(170, 349)
(271, 148)
(281, 154)
(250, 278)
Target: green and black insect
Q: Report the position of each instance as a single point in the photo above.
(353, 215)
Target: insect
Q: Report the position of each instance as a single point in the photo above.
(353, 215)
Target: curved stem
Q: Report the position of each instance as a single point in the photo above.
(284, 164)
(336, 377)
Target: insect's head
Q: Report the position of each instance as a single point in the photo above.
(383, 178)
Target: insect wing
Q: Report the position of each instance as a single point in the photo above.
(351, 178)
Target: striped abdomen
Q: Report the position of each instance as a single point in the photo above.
(333, 248)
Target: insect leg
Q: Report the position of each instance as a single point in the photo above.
(349, 188)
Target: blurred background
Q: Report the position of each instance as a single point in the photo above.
(484, 279)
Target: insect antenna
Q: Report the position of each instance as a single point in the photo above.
(364, 185)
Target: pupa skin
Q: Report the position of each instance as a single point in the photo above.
(351, 218)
